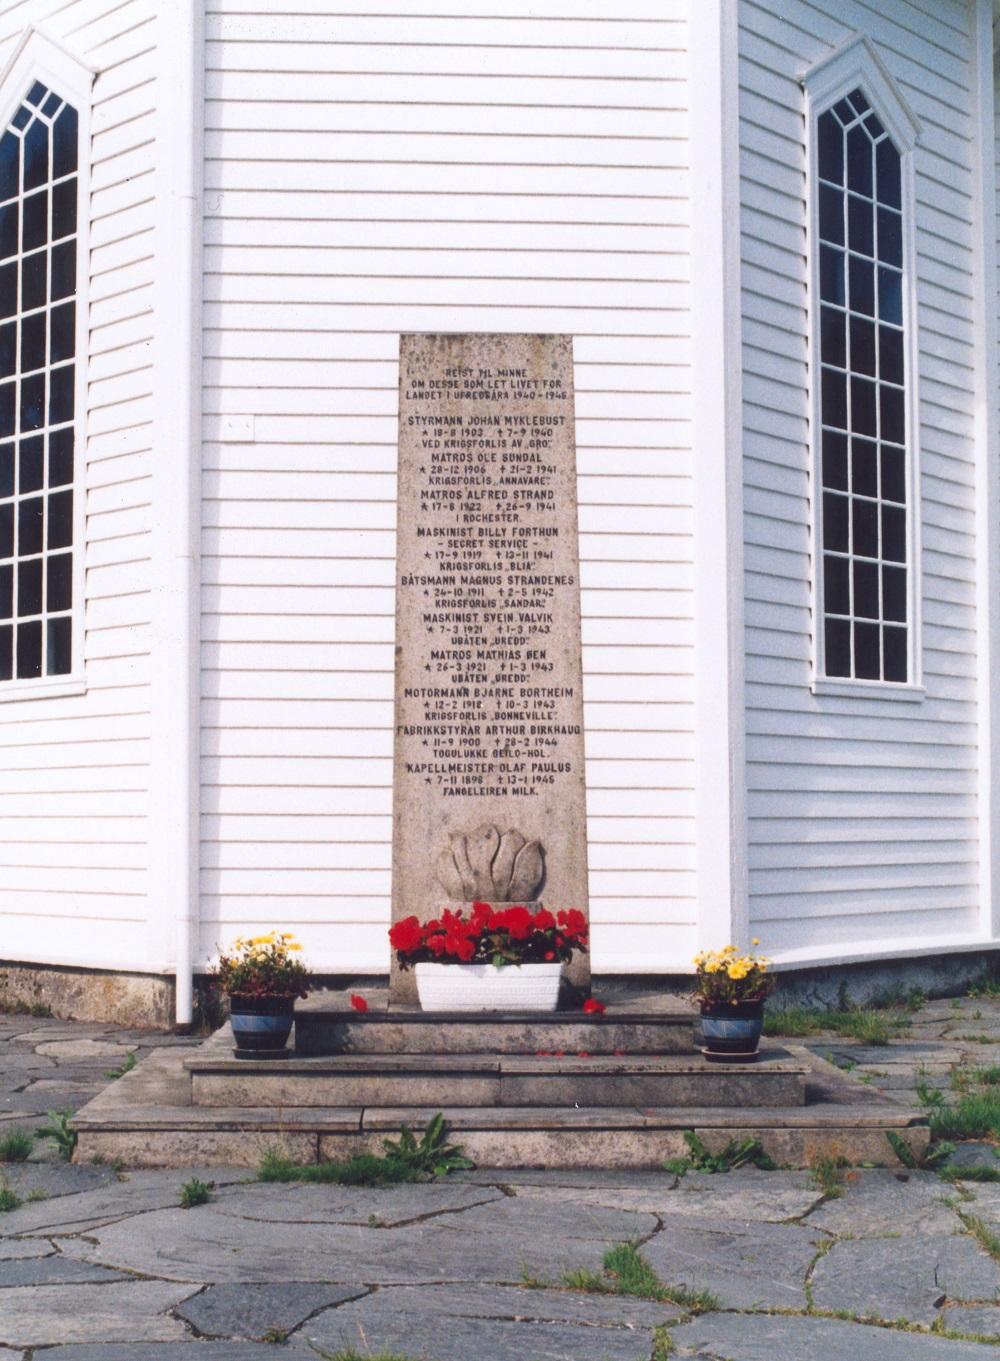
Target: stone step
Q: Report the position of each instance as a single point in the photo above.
(146, 1119)
(471, 1080)
(327, 1024)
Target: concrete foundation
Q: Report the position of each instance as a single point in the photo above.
(148, 999)
(132, 999)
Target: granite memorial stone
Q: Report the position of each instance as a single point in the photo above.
(489, 794)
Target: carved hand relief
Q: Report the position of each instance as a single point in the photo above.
(483, 865)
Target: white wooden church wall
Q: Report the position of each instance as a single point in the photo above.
(74, 769)
(466, 168)
(862, 813)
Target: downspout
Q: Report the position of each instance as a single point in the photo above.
(176, 671)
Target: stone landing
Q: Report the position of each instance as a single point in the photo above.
(527, 1108)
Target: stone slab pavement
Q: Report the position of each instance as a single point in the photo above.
(98, 1264)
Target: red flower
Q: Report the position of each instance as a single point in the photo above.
(358, 1002)
(406, 935)
(543, 920)
(593, 1007)
(550, 955)
(583, 1054)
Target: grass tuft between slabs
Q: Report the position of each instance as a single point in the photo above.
(626, 1272)
(404, 1159)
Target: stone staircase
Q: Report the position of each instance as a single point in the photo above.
(570, 1089)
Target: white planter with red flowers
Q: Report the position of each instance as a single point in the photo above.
(484, 987)
(502, 957)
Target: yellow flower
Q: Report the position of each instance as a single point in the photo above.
(755, 941)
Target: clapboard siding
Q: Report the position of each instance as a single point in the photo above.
(74, 770)
(368, 174)
(843, 852)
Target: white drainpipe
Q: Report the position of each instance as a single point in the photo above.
(175, 690)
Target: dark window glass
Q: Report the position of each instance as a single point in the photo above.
(834, 460)
(893, 474)
(7, 591)
(867, 660)
(866, 590)
(861, 228)
(36, 155)
(8, 349)
(64, 140)
(831, 149)
(890, 296)
(859, 161)
(864, 467)
(61, 394)
(33, 281)
(29, 649)
(894, 653)
(862, 296)
(894, 593)
(889, 178)
(6, 652)
(63, 332)
(894, 533)
(63, 270)
(7, 466)
(833, 339)
(863, 346)
(8, 290)
(831, 275)
(7, 529)
(864, 522)
(30, 515)
(60, 519)
(29, 587)
(835, 398)
(60, 582)
(21, 118)
(844, 111)
(837, 634)
(892, 413)
(6, 409)
(60, 458)
(831, 214)
(858, 102)
(890, 237)
(10, 166)
(64, 209)
(835, 522)
(30, 464)
(33, 401)
(8, 230)
(874, 127)
(50, 105)
(35, 222)
(36, 94)
(863, 406)
(890, 354)
(836, 585)
(59, 638)
(33, 342)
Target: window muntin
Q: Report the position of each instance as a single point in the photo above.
(38, 253)
(863, 531)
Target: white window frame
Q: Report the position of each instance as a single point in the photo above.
(856, 65)
(39, 56)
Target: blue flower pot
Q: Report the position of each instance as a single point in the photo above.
(731, 1032)
(261, 1025)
